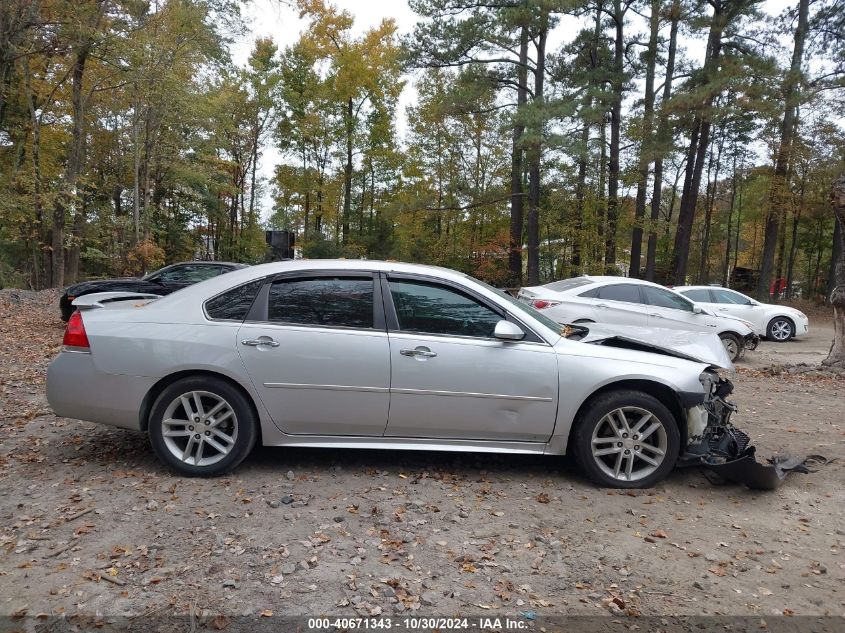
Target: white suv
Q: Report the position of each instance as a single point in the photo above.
(776, 323)
(633, 302)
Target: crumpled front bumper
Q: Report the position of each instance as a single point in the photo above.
(751, 341)
(715, 444)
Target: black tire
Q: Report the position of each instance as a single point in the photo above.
(780, 329)
(592, 420)
(244, 428)
(733, 345)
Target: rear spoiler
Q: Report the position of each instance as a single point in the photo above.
(100, 299)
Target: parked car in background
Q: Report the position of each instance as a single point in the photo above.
(343, 353)
(776, 322)
(634, 302)
(161, 282)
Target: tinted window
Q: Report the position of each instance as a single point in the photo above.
(233, 304)
(665, 299)
(728, 296)
(593, 292)
(190, 274)
(422, 307)
(325, 301)
(698, 294)
(620, 292)
(568, 284)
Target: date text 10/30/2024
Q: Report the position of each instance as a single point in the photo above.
(417, 624)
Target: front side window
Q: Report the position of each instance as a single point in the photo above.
(620, 292)
(728, 296)
(322, 301)
(234, 304)
(433, 309)
(698, 294)
(665, 299)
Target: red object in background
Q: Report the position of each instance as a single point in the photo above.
(777, 287)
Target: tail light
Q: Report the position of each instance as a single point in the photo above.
(541, 304)
(75, 335)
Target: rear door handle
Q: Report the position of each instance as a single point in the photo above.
(602, 305)
(655, 315)
(256, 342)
(421, 353)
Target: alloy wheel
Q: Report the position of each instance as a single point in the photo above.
(781, 330)
(199, 428)
(629, 443)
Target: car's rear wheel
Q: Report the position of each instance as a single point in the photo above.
(780, 330)
(202, 426)
(732, 344)
(626, 439)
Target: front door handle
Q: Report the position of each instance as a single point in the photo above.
(255, 342)
(420, 353)
(655, 315)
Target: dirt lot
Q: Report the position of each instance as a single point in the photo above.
(390, 532)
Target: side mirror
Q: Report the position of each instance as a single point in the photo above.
(696, 309)
(507, 331)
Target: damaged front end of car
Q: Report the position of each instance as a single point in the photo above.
(714, 443)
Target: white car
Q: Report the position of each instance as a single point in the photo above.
(776, 323)
(634, 302)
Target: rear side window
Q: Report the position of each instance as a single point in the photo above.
(592, 292)
(322, 301)
(698, 294)
(234, 304)
(620, 292)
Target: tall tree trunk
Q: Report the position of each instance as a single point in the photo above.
(836, 357)
(663, 140)
(835, 256)
(646, 143)
(779, 191)
(617, 86)
(601, 202)
(704, 260)
(697, 152)
(726, 268)
(793, 243)
(517, 153)
(535, 155)
(67, 197)
(347, 170)
(38, 263)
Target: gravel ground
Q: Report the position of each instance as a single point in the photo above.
(90, 521)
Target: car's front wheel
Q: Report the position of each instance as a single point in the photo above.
(626, 439)
(780, 330)
(202, 426)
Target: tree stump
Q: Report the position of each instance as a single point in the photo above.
(836, 357)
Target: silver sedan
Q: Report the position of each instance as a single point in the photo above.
(377, 355)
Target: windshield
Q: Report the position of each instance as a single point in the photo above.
(554, 326)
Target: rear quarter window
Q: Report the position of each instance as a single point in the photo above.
(234, 304)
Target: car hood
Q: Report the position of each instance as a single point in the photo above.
(702, 347)
(100, 285)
